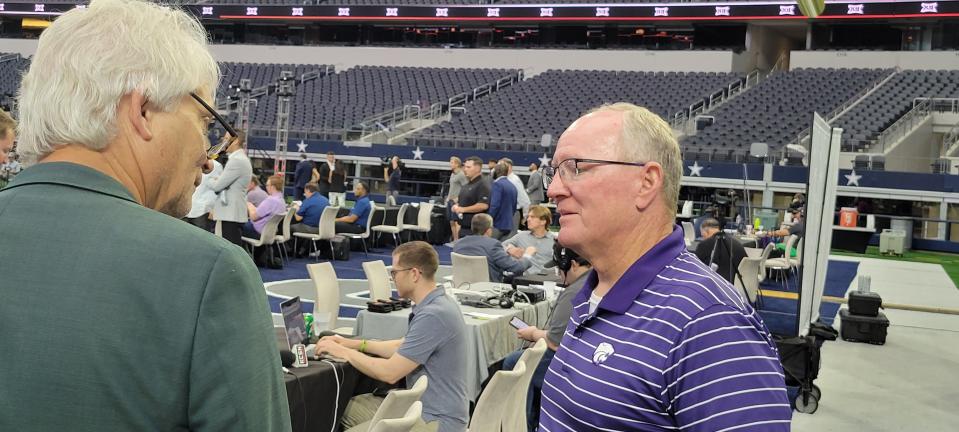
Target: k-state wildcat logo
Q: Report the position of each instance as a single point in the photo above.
(603, 351)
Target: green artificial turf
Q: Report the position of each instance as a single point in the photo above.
(949, 262)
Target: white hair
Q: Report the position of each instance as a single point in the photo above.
(90, 58)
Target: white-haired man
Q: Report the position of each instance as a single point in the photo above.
(129, 319)
(656, 340)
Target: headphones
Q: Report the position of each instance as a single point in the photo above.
(564, 257)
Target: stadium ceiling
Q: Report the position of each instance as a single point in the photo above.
(544, 13)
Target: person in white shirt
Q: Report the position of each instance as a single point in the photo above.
(203, 198)
(538, 236)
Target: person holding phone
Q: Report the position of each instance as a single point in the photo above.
(573, 269)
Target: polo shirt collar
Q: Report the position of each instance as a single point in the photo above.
(433, 295)
(72, 175)
(637, 277)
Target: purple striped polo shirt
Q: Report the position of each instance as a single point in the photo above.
(671, 346)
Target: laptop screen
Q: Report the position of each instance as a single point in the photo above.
(293, 320)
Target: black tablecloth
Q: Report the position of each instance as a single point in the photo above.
(849, 240)
(312, 394)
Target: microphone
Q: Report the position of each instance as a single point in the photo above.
(287, 358)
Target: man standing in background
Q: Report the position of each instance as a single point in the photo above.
(534, 185)
(230, 206)
(334, 174)
(457, 181)
(475, 194)
(301, 176)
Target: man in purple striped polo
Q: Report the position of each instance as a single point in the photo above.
(656, 340)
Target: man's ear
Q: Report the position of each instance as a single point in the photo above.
(650, 185)
(138, 114)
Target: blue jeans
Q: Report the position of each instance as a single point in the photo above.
(535, 384)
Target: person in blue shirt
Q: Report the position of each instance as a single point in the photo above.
(355, 222)
(502, 203)
(307, 216)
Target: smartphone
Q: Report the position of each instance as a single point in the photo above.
(518, 323)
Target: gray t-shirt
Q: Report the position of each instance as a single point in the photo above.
(436, 340)
(543, 245)
(457, 180)
(559, 318)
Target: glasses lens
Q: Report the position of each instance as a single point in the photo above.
(548, 172)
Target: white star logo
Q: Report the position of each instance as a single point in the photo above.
(417, 154)
(544, 161)
(301, 147)
(695, 170)
(852, 179)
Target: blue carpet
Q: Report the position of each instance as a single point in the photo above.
(352, 269)
(780, 314)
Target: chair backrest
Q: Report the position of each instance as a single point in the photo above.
(401, 215)
(390, 200)
(799, 246)
(514, 419)
(327, 288)
(287, 221)
(402, 424)
(871, 221)
(469, 269)
(790, 242)
(378, 278)
(423, 217)
(488, 415)
(269, 230)
(327, 227)
(369, 223)
(689, 232)
(762, 260)
(687, 208)
(748, 284)
(398, 402)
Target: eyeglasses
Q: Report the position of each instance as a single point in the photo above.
(569, 169)
(394, 272)
(216, 147)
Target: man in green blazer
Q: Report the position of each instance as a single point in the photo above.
(115, 316)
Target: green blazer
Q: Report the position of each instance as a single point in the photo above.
(114, 317)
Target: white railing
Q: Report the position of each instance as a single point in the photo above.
(387, 122)
(802, 138)
(711, 102)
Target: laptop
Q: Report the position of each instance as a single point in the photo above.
(293, 322)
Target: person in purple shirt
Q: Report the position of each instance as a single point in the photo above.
(502, 203)
(261, 214)
(656, 340)
(254, 193)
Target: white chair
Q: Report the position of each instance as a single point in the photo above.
(785, 263)
(871, 221)
(395, 405)
(763, 258)
(402, 424)
(396, 229)
(689, 233)
(469, 269)
(327, 288)
(390, 200)
(365, 234)
(423, 224)
(268, 235)
(795, 262)
(218, 229)
(514, 419)
(285, 236)
(379, 280)
(687, 212)
(325, 231)
(488, 415)
(748, 280)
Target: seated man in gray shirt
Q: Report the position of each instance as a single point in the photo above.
(538, 221)
(434, 345)
(573, 269)
(481, 243)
